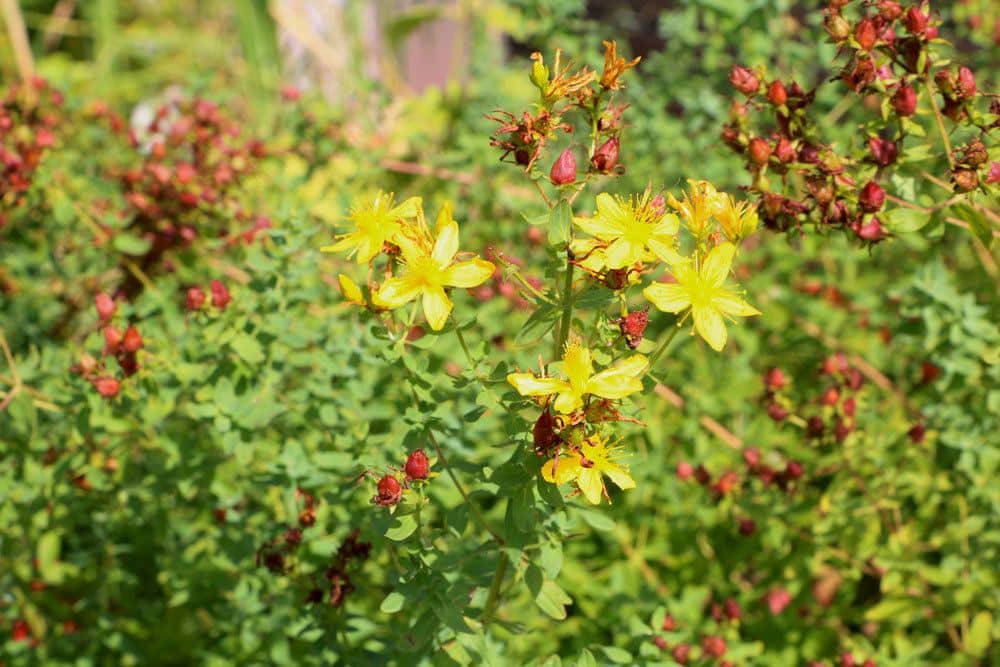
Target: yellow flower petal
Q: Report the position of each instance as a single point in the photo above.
(395, 292)
(620, 379)
(731, 304)
(561, 470)
(528, 384)
(568, 401)
(577, 365)
(663, 247)
(446, 245)
(609, 208)
(407, 209)
(599, 227)
(668, 297)
(350, 289)
(619, 475)
(444, 218)
(437, 307)
(468, 274)
(345, 242)
(709, 324)
(622, 253)
(589, 481)
(715, 268)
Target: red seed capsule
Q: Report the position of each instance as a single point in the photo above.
(905, 101)
(112, 339)
(220, 295)
(744, 80)
(884, 152)
(105, 306)
(759, 151)
(107, 387)
(389, 491)
(775, 379)
(685, 471)
(132, 341)
(681, 654)
(605, 158)
(194, 299)
(915, 21)
(777, 94)
(563, 170)
(866, 34)
(713, 646)
(417, 466)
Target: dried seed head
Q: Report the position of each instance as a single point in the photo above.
(744, 80)
(417, 465)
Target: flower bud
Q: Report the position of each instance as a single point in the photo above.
(681, 654)
(974, 153)
(775, 379)
(776, 412)
(417, 466)
(733, 611)
(107, 387)
(815, 427)
(660, 643)
(746, 527)
(777, 94)
(890, 10)
(389, 491)
(993, 175)
(917, 433)
(564, 168)
(751, 456)
(915, 21)
(701, 475)
(870, 231)
(846, 660)
(685, 471)
(759, 151)
(105, 306)
(777, 600)
(966, 84)
(220, 295)
(945, 82)
(605, 158)
(965, 180)
(112, 339)
(744, 80)
(884, 152)
(866, 34)
(194, 299)
(872, 197)
(132, 340)
(784, 151)
(836, 26)
(905, 101)
(633, 326)
(713, 646)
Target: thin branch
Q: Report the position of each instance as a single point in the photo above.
(18, 38)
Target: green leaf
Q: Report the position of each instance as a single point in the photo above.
(978, 639)
(598, 520)
(617, 655)
(553, 600)
(247, 347)
(392, 603)
(905, 220)
(130, 245)
(405, 526)
(560, 223)
(586, 659)
(48, 557)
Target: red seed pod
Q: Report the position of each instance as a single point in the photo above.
(872, 197)
(905, 101)
(307, 517)
(917, 433)
(777, 94)
(220, 295)
(776, 412)
(389, 491)
(728, 481)
(417, 465)
(915, 21)
(605, 158)
(759, 151)
(869, 663)
(775, 379)
(866, 34)
(751, 456)
(701, 475)
(194, 299)
(685, 471)
(744, 80)
(681, 654)
(966, 84)
(660, 643)
(20, 631)
(777, 600)
(793, 470)
(850, 407)
(747, 527)
(107, 387)
(669, 623)
(633, 326)
(112, 339)
(544, 435)
(132, 340)
(965, 180)
(733, 610)
(846, 660)
(884, 152)
(293, 537)
(890, 10)
(785, 151)
(563, 170)
(815, 427)
(993, 175)
(105, 306)
(713, 646)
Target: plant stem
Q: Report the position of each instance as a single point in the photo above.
(473, 508)
(567, 309)
(493, 599)
(662, 347)
(465, 348)
(940, 124)
(548, 202)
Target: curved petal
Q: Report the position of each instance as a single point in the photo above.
(472, 273)
(568, 401)
(446, 245)
(609, 208)
(528, 384)
(668, 225)
(589, 253)
(561, 470)
(345, 242)
(368, 248)
(577, 366)
(622, 253)
(662, 246)
(613, 384)
(350, 289)
(395, 292)
(668, 297)
(619, 475)
(599, 227)
(591, 484)
(709, 324)
(437, 307)
(407, 209)
(731, 304)
(715, 268)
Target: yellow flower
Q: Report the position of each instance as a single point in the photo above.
(614, 66)
(375, 223)
(587, 467)
(631, 230)
(698, 206)
(738, 219)
(616, 381)
(350, 289)
(428, 274)
(702, 290)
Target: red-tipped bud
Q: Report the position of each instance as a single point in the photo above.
(835, 363)
(890, 10)
(884, 152)
(669, 623)
(564, 168)
(713, 646)
(966, 84)
(905, 101)
(847, 660)
(220, 295)
(759, 151)
(389, 491)
(775, 379)
(793, 470)
(132, 340)
(866, 34)
(685, 471)
(777, 94)
(417, 465)
(993, 175)
(112, 339)
(194, 299)
(107, 387)
(915, 21)
(744, 80)
(733, 611)
(660, 643)
(605, 158)
(105, 306)
(872, 197)
(872, 231)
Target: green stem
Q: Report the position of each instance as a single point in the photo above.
(567, 309)
(473, 508)
(662, 347)
(493, 599)
(465, 348)
(940, 124)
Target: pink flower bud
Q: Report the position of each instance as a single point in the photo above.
(905, 101)
(564, 168)
(105, 306)
(777, 94)
(744, 80)
(872, 197)
(884, 152)
(866, 34)
(915, 21)
(194, 299)
(966, 85)
(605, 158)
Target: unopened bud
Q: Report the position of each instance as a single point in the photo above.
(759, 151)
(836, 26)
(966, 84)
(220, 295)
(866, 34)
(132, 340)
(564, 169)
(872, 197)
(744, 80)
(784, 151)
(905, 101)
(605, 158)
(777, 94)
(195, 298)
(965, 180)
(417, 465)
(107, 387)
(915, 21)
(884, 152)
(105, 306)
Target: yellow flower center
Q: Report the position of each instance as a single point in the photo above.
(426, 272)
